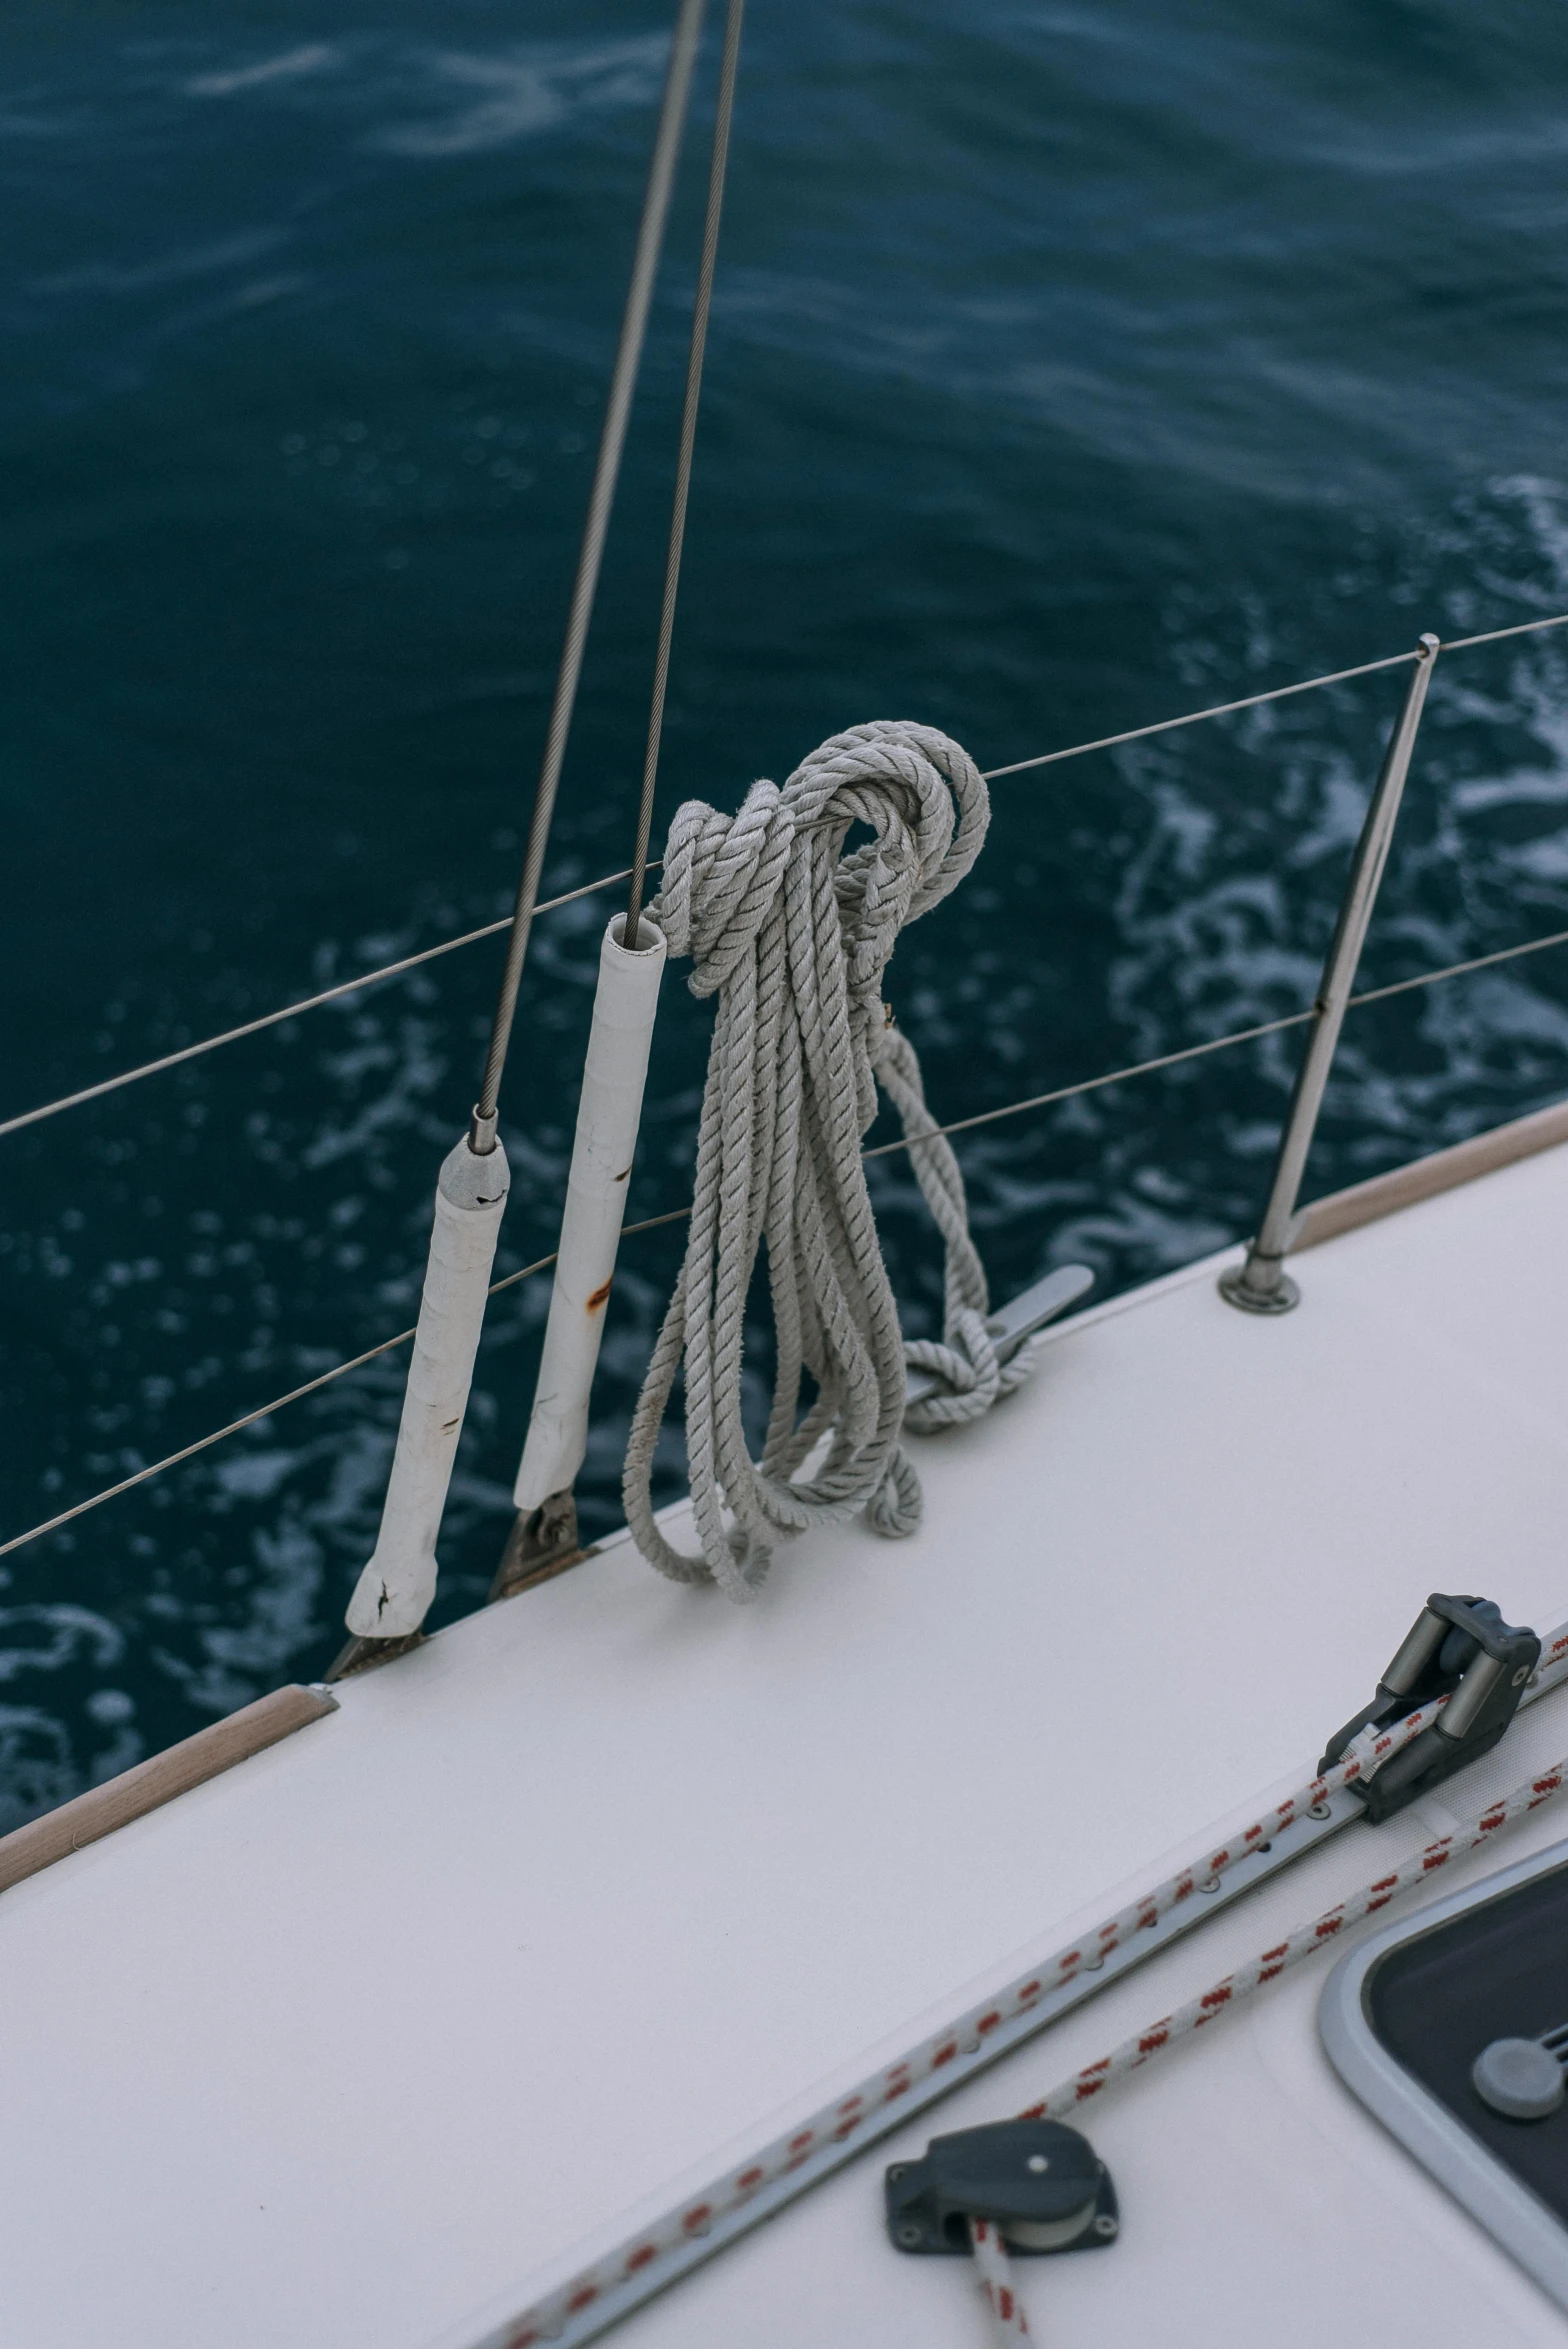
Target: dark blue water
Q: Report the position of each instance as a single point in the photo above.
(1071, 366)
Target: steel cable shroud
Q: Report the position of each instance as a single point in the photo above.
(729, 68)
(398, 1582)
(601, 497)
(620, 1036)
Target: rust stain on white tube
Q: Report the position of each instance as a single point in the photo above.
(607, 1119)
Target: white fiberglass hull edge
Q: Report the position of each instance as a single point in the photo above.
(355, 2042)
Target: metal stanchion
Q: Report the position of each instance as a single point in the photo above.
(1262, 1285)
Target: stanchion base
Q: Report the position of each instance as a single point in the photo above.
(362, 1655)
(1284, 1297)
(542, 1542)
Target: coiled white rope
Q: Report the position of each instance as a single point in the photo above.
(793, 936)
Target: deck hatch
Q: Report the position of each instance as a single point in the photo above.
(1409, 2019)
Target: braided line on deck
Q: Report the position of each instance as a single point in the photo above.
(995, 2268)
(940, 2051)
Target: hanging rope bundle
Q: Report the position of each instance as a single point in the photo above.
(793, 936)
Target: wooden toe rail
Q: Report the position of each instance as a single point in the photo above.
(159, 1780)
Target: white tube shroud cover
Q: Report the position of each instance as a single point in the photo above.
(607, 1121)
(392, 1595)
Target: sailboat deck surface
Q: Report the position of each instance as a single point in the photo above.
(352, 2043)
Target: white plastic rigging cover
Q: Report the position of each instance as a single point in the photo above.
(607, 1119)
(393, 1594)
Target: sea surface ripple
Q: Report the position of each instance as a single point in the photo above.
(1070, 367)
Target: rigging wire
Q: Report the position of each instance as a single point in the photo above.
(271, 1019)
(1496, 635)
(1251, 701)
(1141, 1068)
(1292, 1019)
(612, 443)
(1220, 709)
(1117, 1076)
(391, 970)
(295, 1394)
(728, 69)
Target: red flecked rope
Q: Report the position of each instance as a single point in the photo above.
(1009, 2323)
(991, 2259)
(837, 2122)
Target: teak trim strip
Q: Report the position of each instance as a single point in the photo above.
(159, 1780)
(1425, 1178)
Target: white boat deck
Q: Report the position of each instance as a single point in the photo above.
(352, 2043)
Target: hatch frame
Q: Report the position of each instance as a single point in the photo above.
(1494, 2197)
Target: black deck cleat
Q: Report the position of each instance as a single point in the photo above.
(1041, 2184)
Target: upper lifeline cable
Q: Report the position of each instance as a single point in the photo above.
(793, 936)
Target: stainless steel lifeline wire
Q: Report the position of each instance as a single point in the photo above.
(265, 1410)
(1291, 1019)
(272, 1019)
(392, 970)
(961, 1125)
(722, 120)
(1250, 701)
(612, 443)
(1220, 709)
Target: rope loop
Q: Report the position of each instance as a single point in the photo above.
(792, 930)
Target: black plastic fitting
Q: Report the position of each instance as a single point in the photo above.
(1041, 2184)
